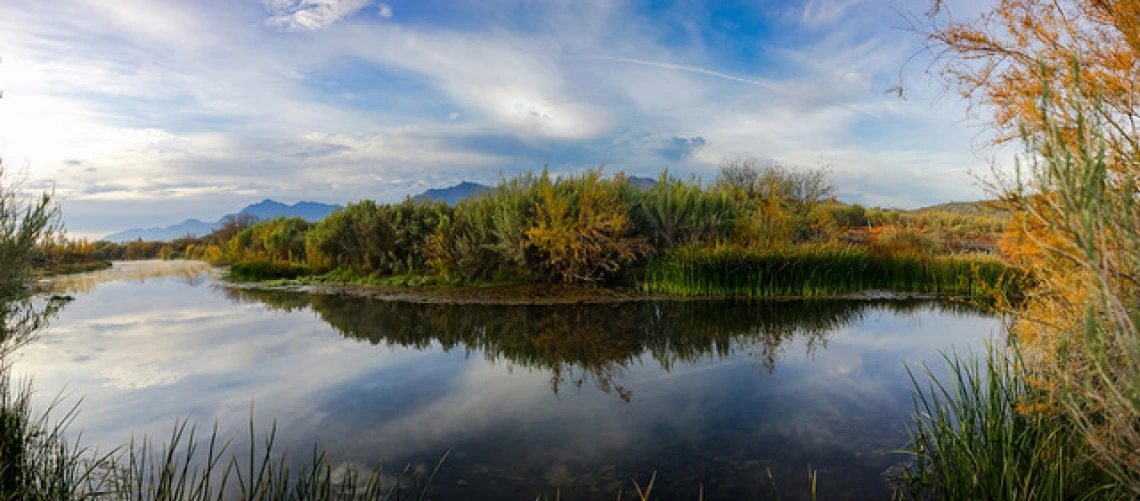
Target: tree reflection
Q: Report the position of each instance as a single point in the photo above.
(594, 344)
(192, 273)
(21, 320)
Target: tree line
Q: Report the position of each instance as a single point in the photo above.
(581, 228)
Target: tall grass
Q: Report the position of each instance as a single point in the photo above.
(822, 270)
(984, 432)
(38, 462)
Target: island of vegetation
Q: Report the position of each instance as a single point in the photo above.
(758, 230)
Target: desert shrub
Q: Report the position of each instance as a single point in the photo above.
(582, 229)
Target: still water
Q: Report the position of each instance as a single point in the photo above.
(576, 401)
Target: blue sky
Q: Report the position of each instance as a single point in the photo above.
(147, 112)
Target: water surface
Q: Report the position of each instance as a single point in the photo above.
(531, 401)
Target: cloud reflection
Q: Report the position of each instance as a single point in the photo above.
(527, 398)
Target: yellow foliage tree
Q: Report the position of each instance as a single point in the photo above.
(582, 227)
(769, 226)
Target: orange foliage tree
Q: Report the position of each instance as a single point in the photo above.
(1064, 76)
(997, 61)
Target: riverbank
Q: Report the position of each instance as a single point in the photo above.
(544, 294)
(806, 272)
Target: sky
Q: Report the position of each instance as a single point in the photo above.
(143, 113)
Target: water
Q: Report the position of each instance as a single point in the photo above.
(577, 401)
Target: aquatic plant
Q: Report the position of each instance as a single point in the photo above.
(986, 432)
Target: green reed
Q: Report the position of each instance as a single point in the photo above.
(823, 270)
(985, 432)
(260, 270)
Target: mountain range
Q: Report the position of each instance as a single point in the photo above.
(310, 211)
(266, 209)
(453, 194)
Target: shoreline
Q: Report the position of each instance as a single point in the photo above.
(506, 294)
(550, 295)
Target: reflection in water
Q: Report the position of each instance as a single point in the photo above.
(709, 394)
(192, 272)
(595, 343)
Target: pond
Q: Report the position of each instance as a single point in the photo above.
(531, 401)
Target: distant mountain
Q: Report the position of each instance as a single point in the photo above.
(270, 209)
(642, 183)
(452, 195)
(265, 209)
(980, 207)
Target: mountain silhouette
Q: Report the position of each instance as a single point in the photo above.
(265, 209)
(452, 195)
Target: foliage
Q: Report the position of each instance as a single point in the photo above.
(380, 239)
(582, 227)
(1061, 76)
(673, 212)
(39, 463)
(26, 221)
(1001, 59)
(845, 215)
(748, 179)
(897, 240)
(1078, 229)
(488, 235)
(591, 228)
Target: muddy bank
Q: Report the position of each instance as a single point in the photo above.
(537, 294)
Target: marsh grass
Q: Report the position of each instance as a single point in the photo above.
(984, 432)
(37, 461)
(262, 270)
(824, 270)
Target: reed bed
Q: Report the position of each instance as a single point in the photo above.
(823, 270)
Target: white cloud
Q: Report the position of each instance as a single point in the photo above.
(310, 15)
(514, 81)
(819, 13)
(385, 11)
(176, 110)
